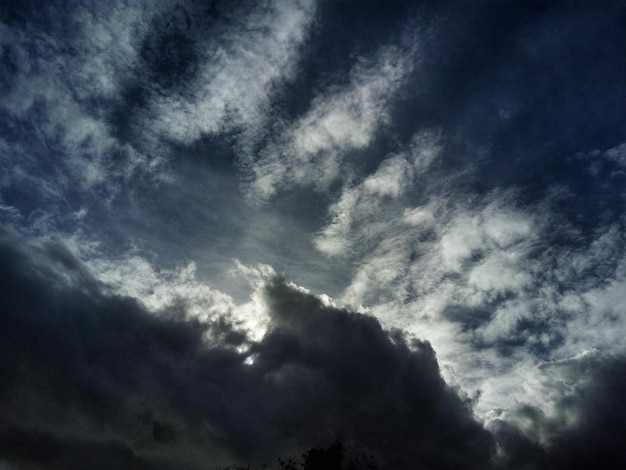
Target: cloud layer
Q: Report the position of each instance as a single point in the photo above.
(234, 231)
(166, 389)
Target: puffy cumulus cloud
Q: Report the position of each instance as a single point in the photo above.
(597, 318)
(467, 248)
(341, 119)
(89, 376)
(562, 301)
(493, 228)
(577, 419)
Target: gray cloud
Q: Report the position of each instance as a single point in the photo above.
(578, 422)
(92, 377)
(145, 388)
(238, 62)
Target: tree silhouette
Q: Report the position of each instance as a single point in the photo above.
(289, 464)
(324, 459)
(318, 458)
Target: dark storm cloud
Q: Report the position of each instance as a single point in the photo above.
(41, 450)
(362, 385)
(85, 371)
(80, 365)
(90, 377)
(586, 423)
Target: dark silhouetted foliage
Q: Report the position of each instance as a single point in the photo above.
(318, 458)
(324, 459)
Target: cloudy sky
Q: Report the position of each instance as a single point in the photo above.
(233, 231)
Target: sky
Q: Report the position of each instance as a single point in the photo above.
(231, 231)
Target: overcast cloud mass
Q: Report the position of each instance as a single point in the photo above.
(234, 231)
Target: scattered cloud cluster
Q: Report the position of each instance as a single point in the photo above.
(311, 150)
(60, 83)
(478, 269)
(236, 70)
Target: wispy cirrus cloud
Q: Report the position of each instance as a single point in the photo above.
(65, 68)
(372, 204)
(340, 119)
(251, 51)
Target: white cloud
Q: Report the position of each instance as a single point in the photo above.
(391, 179)
(492, 228)
(499, 274)
(348, 118)
(239, 68)
(461, 270)
(616, 154)
(461, 276)
(157, 289)
(369, 207)
(161, 290)
(85, 57)
(561, 395)
(358, 206)
(601, 322)
(311, 150)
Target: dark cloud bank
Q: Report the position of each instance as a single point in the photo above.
(93, 380)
